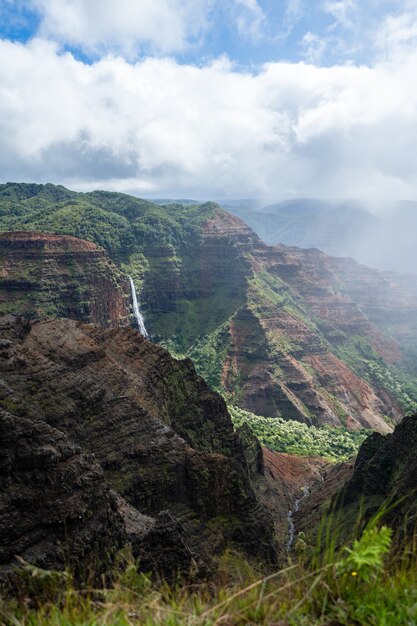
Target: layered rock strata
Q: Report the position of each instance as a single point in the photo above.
(282, 331)
(107, 439)
(285, 346)
(44, 275)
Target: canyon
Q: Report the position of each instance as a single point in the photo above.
(280, 331)
(110, 441)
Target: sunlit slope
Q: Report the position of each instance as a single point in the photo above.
(281, 332)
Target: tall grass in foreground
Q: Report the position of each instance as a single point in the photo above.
(365, 583)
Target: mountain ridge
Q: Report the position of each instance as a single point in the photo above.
(108, 441)
(280, 333)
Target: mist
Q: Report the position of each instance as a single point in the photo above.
(393, 244)
(379, 234)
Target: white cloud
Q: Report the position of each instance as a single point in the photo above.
(397, 32)
(313, 47)
(160, 128)
(340, 10)
(94, 25)
(294, 11)
(250, 18)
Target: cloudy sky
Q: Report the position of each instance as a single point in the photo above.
(271, 99)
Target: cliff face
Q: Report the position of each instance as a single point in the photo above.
(167, 462)
(382, 481)
(55, 506)
(386, 471)
(283, 331)
(44, 275)
(383, 300)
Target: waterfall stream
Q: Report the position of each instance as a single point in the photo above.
(290, 517)
(136, 309)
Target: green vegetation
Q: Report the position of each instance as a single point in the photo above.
(400, 390)
(159, 246)
(268, 289)
(363, 583)
(120, 223)
(294, 437)
(357, 352)
(190, 294)
(209, 354)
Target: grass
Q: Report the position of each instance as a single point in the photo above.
(366, 583)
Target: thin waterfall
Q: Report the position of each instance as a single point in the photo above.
(290, 517)
(136, 309)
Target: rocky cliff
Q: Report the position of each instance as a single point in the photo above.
(297, 344)
(379, 483)
(45, 275)
(280, 331)
(106, 440)
(55, 505)
(385, 475)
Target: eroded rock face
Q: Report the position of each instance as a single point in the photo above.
(290, 341)
(44, 275)
(381, 481)
(283, 331)
(161, 439)
(55, 505)
(287, 481)
(386, 472)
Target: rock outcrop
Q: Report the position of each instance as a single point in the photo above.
(385, 475)
(106, 438)
(381, 481)
(43, 275)
(284, 332)
(55, 505)
(294, 342)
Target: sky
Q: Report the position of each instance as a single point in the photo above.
(265, 99)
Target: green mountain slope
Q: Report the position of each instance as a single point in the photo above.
(280, 332)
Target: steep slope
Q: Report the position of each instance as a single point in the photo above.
(44, 275)
(385, 341)
(383, 481)
(277, 354)
(160, 438)
(280, 333)
(55, 506)
(386, 471)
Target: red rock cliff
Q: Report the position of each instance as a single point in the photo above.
(44, 275)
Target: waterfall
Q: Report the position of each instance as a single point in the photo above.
(290, 517)
(136, 310)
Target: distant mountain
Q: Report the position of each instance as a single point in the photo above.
(335, 228)
(385, 240)
(394, 245)
(229, 204)
(165, 201)
(280, 331)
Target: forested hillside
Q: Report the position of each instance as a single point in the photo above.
(280, 332)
